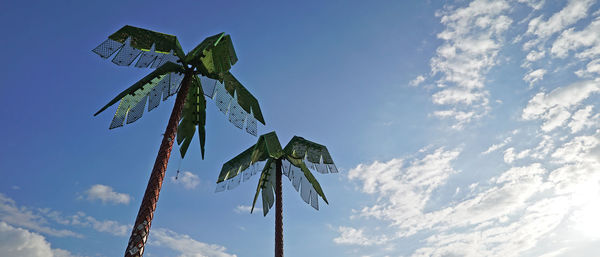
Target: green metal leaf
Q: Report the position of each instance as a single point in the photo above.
(193, 114)
(300, 148)
(267, 146)
(133, 98)
(246, 100)
(143, 39)
(213, 56)
(309, 176)
(266, 187)
(236, 165)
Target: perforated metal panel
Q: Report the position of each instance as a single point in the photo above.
(164, 85)
(221, 187)
(296, 177)
(147, 58)
(321, 168)
(285, 168)
(107, 48)
(234, 182)
(162, 58)
(156, 93)
(314, 199)
(126, 55)
(251, 124)
(332, 168)
(305, 188)
(137, 111)
(120, 114)
(252, 170)
(237, 115)
(208, 86)
(222, 98)
(174, 83)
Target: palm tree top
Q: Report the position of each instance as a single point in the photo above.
(297, 157)
(207, 66)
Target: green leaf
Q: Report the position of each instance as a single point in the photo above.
(246, 100)
(147, 81)
(213, 56)
(261, 181)
(143, 39)
(236, 165)
(193, 114)
(267, 146)
(313, 181)
(299, 147)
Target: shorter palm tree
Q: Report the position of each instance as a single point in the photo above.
(292, 161)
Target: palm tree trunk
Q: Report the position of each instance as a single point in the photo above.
(278, 211)
(141, 228)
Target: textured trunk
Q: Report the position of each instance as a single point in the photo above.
(141, 228)
(278, 211)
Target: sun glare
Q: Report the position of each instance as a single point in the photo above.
(585, 218)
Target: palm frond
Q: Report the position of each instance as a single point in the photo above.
(303, 181)
(267, 147)
(163, 81)
(266, 186)
(194, 115)
(213, 56)
(315, 155)
(153, 48)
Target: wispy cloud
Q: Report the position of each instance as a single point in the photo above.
(353, 236)
(187, 179)
(29, 218)
(403, 189)
(18, 242)
(554, 108)
(44, 220)
(185, 245)
(417, 81)
(106, 194)
(472, 36)
(246, 209)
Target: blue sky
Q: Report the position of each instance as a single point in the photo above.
(468, 128)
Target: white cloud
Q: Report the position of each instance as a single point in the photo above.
(535, 4)
(472, 38)
(185, 245)
(533, 55)
(82, 220)
(187, 179)
(403, 189)
(106, 195)
(495, 147)
(246, 209)
(581, 119)
(28, 218)
(353, 236)
(591, 69)
(510, 155)
(417, 81)
(571, 40)
(534, 76)
(40, 220)
(18, 242)
(461, 117)
(553, 108)
(571, 13)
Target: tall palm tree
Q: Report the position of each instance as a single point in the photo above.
(175, 73)
(292, 161)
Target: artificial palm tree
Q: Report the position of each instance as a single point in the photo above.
(292, 161)
(175, 73)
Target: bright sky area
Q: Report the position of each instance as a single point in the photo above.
(469, 128)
